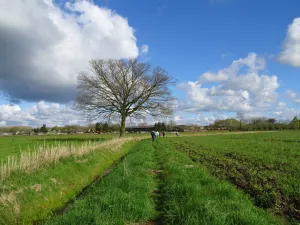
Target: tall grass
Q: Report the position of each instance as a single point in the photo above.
(123, 197)
(33, 159)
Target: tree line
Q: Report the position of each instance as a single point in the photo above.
(230, 124)
(69, 129)
(261, 123)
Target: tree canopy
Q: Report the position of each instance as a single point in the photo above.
(124, 88)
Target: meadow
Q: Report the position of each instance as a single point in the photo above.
(205, 178)
(15, 144)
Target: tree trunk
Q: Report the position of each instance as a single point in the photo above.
(122, 128)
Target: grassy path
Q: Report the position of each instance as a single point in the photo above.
(190, 196)
(125, 196)
(25, 198)
(153, 184)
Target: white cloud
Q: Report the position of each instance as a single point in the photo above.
(204, 119)
(40, 113)
(238, 88)
(291, 49)
(292, 96)
(286, 114)
(281, 106)
(44, 51)
(177, 119)
(144, 49)
(252, 63)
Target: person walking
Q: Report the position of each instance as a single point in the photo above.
(153, 135)
(157, 134)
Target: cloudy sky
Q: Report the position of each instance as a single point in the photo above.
(228, 56)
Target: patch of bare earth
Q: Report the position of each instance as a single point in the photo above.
(36, 187)
(188, 166)
(53, 180)
(155, 172)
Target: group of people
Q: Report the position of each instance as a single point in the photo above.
(156, 134)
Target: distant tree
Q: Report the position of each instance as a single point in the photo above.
(36, 130)
(99, 127)
(159, 126)
(271, 120)
(122, 89)
(43, 129)
(171, 126)
(105, 127)
(241, 117)
(228, 124)
(55, 128)
(294, 124)
(115, 127)
(271, 126)
(258, 120)
(163, 127)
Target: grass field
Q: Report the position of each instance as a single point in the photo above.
(15, 144)
(10, 145)
(28, 197)
(209, 179)
(190, 196)
(123, 197)
(263, 165)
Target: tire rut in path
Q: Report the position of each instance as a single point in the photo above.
(158, 196)
(68, 205)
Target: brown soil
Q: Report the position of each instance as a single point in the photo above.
(155, 172)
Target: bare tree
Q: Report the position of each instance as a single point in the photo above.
(122, 89)
(241, 117)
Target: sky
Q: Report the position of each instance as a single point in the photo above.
(228, 56)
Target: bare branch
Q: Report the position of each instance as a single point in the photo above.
(124, 88)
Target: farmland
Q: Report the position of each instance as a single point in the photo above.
(247, 178)
(15, 144)
(265, 166)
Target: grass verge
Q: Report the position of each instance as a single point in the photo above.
(125, 196)
(28, 198)
(191, 196)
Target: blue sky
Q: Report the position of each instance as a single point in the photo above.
(187, 38)
(191, 37)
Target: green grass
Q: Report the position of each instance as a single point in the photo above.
(122, 197)
(203, 180)
(10, 145)
(190, 196)
(266, 166)
(33, 197)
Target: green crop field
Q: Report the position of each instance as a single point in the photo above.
(210, 178)
(265, 166)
